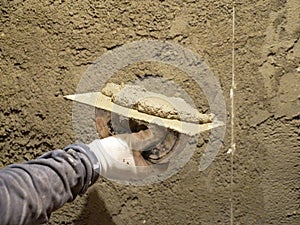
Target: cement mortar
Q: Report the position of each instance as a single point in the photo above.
(45, 47)
(146, 101)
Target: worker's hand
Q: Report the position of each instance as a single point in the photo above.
(144, 139)
(120, 155)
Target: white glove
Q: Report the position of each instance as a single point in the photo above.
(120, 155)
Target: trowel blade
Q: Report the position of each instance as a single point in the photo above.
(98, 100)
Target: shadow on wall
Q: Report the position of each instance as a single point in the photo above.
(95, 213)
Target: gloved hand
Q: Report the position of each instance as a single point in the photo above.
(120, 155)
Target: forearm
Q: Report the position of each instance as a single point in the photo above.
(32, 190)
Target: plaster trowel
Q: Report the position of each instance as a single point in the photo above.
(137, 103)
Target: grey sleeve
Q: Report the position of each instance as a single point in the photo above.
(30, 191)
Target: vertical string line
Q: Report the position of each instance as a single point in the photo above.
(232, 144)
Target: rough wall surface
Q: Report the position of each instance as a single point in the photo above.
(45, 47)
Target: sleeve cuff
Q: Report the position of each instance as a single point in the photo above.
(82, 148)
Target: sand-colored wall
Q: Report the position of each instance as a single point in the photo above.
(46, 46)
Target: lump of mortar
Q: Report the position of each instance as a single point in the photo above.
(157, 106)
(140, 99)
(111, 89)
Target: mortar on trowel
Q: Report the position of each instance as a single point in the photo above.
(147, 107)
(130, 108)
